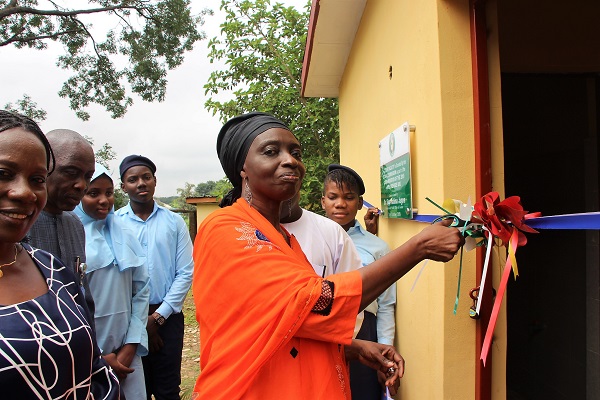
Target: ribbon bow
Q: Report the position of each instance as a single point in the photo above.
(503, 220)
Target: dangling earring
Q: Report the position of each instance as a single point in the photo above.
(248, 196)
(289, 207)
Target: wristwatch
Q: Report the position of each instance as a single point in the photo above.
(158, 319)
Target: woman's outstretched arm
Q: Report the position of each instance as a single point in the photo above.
(437, 242)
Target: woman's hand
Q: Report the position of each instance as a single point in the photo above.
(119, 369)
(439, 242)
(391, 378)
(381, 357)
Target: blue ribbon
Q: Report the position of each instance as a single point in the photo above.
(366, 204)
(589, 220)
(425, 218)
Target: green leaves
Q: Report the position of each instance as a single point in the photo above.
(187, 191)
(146, 39)
(262, 46)
(28, 107)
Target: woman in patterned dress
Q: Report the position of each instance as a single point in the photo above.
(47, 348)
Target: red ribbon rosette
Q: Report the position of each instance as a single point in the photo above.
(502, 218)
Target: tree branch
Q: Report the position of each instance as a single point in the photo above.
(37, 37)
(28, 10)
(122, 18)
(89, 34)
(15, 36)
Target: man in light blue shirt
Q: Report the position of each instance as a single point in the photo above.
(342, 198)
(165, 238)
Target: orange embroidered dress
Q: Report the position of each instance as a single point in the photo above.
(260, 338)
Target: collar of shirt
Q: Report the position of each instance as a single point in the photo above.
(357, 227)
(129, 211)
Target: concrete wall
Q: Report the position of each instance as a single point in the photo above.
(426, 46)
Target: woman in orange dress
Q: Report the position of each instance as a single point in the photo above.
(270, 328)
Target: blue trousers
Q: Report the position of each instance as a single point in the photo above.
(162, 369)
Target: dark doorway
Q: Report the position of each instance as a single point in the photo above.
(551, 162)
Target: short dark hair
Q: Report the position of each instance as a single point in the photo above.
(10, 120)
(342, 177)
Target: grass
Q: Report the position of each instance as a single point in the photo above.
(190, 367)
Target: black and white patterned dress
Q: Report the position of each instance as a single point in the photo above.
(47, 348)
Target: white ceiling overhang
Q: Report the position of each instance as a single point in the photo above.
(331, 30)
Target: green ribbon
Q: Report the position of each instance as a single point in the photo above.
(472, 232)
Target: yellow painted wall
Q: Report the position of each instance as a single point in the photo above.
(427, 44)
(202, 211)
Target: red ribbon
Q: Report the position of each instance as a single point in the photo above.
(502, 217)
(505, 220)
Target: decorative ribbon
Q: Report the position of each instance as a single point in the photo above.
(511, 261)
(366, 204)
(486, 264)
(590, 220)
(506, 221)
(579, 221)
(466, 229)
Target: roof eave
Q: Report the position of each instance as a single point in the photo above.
(331, 31)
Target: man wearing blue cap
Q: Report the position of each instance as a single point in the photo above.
(342, 198)
(166, 241)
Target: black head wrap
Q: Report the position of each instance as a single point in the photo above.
(233, 142)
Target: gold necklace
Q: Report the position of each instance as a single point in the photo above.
(10, 263)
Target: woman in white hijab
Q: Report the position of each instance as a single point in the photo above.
(118, 279)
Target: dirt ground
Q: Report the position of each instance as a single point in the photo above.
(190, 362)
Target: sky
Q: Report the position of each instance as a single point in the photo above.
(178, 134)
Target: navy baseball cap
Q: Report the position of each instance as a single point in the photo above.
(359, 181)
(133, 161)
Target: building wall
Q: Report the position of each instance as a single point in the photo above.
(203, 210)
(427, 46)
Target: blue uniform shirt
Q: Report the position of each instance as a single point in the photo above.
(165, 238)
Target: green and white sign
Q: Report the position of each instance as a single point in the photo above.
(396, 188)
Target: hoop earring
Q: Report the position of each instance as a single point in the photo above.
(248, 195)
